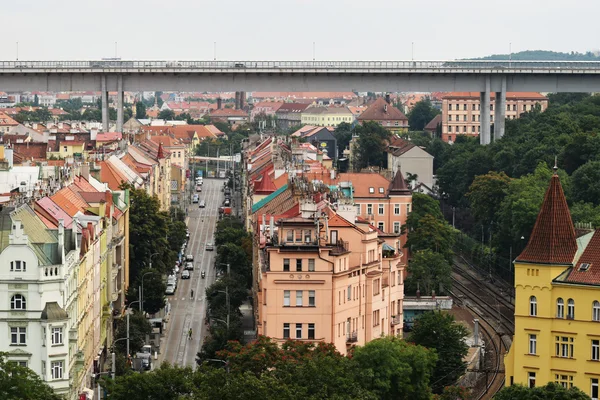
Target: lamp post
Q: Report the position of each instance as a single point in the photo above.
(127, 336)
(223, 361)
(152, 255)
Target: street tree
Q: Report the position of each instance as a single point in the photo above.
(154, 290)
(139, 327)
(440, 331)
(552, 391)
(421, 113)
(17, 382)
(486, 194)
(428, 271)
(395, 369)
(421, 206)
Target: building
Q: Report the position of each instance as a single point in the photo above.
(384, 113)
(326, 116)
(229, 116)
(412, 160)
(434, 127)
(313, 288)
(321, 137)
(268, 108)
(557, 302)
(461, 111)
(289, 115)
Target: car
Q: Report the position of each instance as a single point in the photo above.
(176, 270)
(203, 274)
(209, 247)
(195, 198)
(172, 280)
(198, 188)
(170, 290)
(189, 266)
(202, 204)
(189, 257)
(185, 275)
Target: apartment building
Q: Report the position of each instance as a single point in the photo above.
(324, 278)
(461, 111)
(326, 116)
(383, 112)
(557, 309)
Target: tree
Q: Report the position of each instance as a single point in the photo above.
(36, 100)
(140, 110)
(432, 234)
(17, 382)
(371, 145)
(486, 194)
(421, 113)
(139, 327)
(343, 135)
(552, 391)
(454, 393)
(585, 213)
(395, 369)
(586, 183)
(422, 205)
(92, 114)
(440, 331)
(428, 271)
(166, 114)
(154, 290)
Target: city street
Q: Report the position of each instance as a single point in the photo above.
(186, 311)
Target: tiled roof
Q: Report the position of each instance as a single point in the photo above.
(214, 130)
(591, 256)
(398, 186)
(280, 201)
(5, 120)
(228, 112)
(108, 136)
(362, 182)
(93, 197)
(111, 176)
(265, 185)
(380, 110)
(399, 146)
(433, 124)
(47, 208)
(509, 95)
(83, 184)
(552, 240)
(328, 110)
(304, 95)
(292, 108)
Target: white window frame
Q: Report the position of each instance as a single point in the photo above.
(56, 369)
(570, 309)
(18, 302)
(312, 302)
(311, 327)
(594, 384)
(19, 334)
(532, 306)
(595, 350)
(299, 298)
(311, 265)
(531, 379)
(560, 308)
(397, 227)
(298, 330)
(381, 226)
(532, 344)
(286, 298)
(371, 190)
(596, 311)
(380, 209)
(397, 209)
(286, 327)
(369, 209)
(57, 336)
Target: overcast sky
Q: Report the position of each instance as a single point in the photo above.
(286, 29)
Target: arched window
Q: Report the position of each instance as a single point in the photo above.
(532, 306)
(570, 309)
(596, 311)
(560, 308)
(17, 302)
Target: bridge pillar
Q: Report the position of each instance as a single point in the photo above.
(484, 112)
(104, 97)
(500, 110)
(120, 103)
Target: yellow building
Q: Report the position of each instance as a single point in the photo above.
(66, 148)
(557, 309)
(326, 116)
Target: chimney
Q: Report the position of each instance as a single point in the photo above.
(237, 100)
(219, 103)
(8, 155)
(93, 133)
(61, 239)
(332, 176)
(85, 171)
(387, 99)
(385, 108)
(272, 227)
(242, 100)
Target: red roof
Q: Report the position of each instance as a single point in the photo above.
(108, 136)
(398, 186)
(265, 185)
(380, 110)
(591, 256)
(552, 240)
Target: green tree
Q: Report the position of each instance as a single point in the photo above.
(343, 134)
(395, 369)
(486, 194)
(154, 290)
(552, 391)
(19, 383)
(441, 332)
(371, 145)
(36, 100)
(92, 114)
(432, 234)
(586, 183)
(139, 327)
(454, 393)
(422, 205)
(586, 213)
(166, 114)
(428, 271)
(140, 110)
(421, 114)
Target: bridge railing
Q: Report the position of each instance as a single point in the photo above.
(313, 65)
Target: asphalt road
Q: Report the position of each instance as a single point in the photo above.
(187, 312)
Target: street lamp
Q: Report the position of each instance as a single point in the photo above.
(223, 361)
(152, 255)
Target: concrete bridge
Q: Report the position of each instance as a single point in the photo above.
(487, 76)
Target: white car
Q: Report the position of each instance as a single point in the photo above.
(189, 266)
(185, 275)
(189, 257)
(209, 247)
(170, 290)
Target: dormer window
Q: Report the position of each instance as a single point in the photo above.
(371, 190)
(18, 266)
(381, 190)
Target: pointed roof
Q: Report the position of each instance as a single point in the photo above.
(552, 240)
(160, 154)
(265, 185)
(398, 185)
(380, 110)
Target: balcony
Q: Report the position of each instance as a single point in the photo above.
(396, 320)
(340, 247)
(352, 337)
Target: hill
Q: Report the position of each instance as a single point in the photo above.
(543, 55)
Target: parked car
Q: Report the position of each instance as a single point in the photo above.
(170, 290)
(203, 274)
(195, 198)
(189, 266)
(209, 246)
(185, 275)
(202, 204)
(172, 280)
(189, 257)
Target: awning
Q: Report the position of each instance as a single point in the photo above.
(387, 247)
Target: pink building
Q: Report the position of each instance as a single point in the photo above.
(324, 278)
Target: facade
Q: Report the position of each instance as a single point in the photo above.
(410, 159)
(313, 288)
(461, 111)
(268, 108)
(557, 303)
(290, 114)
(326, 116)
(321, 137)
(230, 116)
(385, 114)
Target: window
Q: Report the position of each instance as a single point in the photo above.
(286, 264)
(473, 107)
(449, 107)
(564, 346)
(57, 336)
(349, 292)
(407, 209)
(473, 118)
(307, 236)
(560, 308)
(396, 209)
(334, 237)
(376, 287)
(311, 331)
(311, 264)
(532, 344)
(532, 306)
(311, 298)
(396, 227)
(298, 298)
(298, 265)
(299, 235)
(381, 190)
(376, 318)
(596, 311)
(570, 309)
(464, 129)
(56, 369)
(465, 117)
(380, 226)
(18, 266)
(531, 379)
(369, 209)
(286, 330)
(18, 335)
(565, 381)
(380, 209)
(286, 298)
(594, 389)
(596, 350)
(449, 129)
(465, 107)
(472, 129)
(17, 302)
(290, 236)
(19, 363)
(371, 190)
(514, 107)
(298, 331)
(524, 107)
(65, 149)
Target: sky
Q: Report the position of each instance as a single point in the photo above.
(287, 29)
